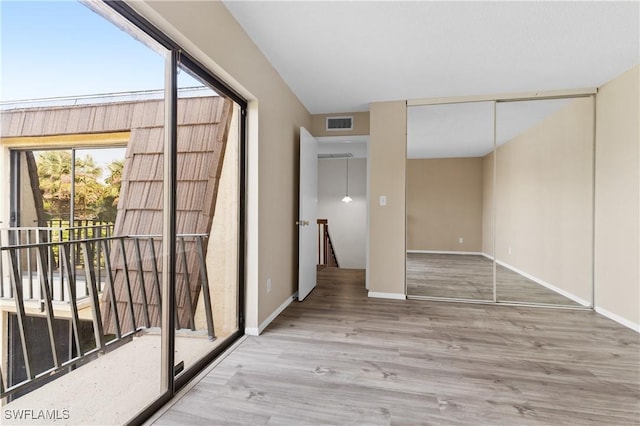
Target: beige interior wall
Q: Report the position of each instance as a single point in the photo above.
(444, 204)
(544, 196)
(208, 31)
(360, 124)
(387, 162)
(487, 204)
(617, 199)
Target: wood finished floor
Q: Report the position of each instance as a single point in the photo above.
(341, 358)
(471, 277)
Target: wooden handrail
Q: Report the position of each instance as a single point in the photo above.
(326, 252)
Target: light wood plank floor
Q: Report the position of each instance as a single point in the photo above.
(341, 358)
(471, 277)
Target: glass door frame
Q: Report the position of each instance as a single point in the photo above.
(176, 57)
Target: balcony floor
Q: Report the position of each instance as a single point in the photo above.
(113, 388)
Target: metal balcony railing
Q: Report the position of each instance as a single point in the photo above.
(28, 238)
(49, 273)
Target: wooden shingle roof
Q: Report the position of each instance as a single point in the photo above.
(203, 127)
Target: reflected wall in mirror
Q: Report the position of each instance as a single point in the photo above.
(449, 205)
(544, 201)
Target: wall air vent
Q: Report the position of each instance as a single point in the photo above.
(340, 123)
(340, 155)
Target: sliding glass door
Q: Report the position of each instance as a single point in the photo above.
(122, 265)
(76, 340)
(207, 220)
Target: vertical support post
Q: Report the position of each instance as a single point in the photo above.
(327, 249)
(154, 268)
(127, 282)
(495, 167)
(52, 264)
(97, 235)
(98, 329)
(45, 296)
(145, 302)
(1, 268)
(169, 222)
(594, 99)
(187, 284)
(65, 259)
(16, 282)
(319, 244)
(111, 288)
(72, 210)
(206, 296)
(41, 251)
(72, 199)
(29, 266)
(14, 200)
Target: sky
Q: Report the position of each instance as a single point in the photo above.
(62, 48)
(51, 49)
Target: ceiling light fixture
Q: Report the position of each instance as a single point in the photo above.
(346, 198)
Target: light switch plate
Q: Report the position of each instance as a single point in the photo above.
(383, 200)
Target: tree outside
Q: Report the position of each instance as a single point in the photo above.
(95, 198)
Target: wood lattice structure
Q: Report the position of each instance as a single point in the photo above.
(203, 128)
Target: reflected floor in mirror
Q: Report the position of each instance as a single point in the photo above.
(471, 277)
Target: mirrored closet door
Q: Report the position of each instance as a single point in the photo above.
(499, 201)
(544, 201)
(449, 175)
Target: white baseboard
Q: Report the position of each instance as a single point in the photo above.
(545, 284)
(396, 296)
(256, 331)
(251, 331)
(477, 253)
(617, 318)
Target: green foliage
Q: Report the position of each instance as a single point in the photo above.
(94, 199)
(54, 175)
(111, 194)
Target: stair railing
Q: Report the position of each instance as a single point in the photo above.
(326, 252)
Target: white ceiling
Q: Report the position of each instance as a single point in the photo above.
(466, 130)
(341, 56)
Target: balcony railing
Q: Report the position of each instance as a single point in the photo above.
(50, 273)
(28, 239)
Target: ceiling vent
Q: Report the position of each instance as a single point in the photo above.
(342, 155)
(340, 123)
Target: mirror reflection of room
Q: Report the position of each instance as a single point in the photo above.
(544, 201)
(532, 207)
(449, 175)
